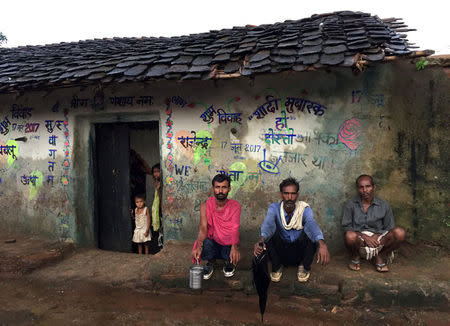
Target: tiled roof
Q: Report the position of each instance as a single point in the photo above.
(337, 39)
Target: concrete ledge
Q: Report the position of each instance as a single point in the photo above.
(413, 281)
(348, 292)
(419, 276)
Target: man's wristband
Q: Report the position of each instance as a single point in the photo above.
(361, 238)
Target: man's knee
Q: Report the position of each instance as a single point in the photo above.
(208, 249)
(351, 237)
(208, 243)
(399, 234)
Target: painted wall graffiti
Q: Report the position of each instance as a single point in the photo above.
(375, 99)
(52, 124)
(169, 135)
(228, 117)
(31, 127)
(182, 170)
(194, 144)
(282, 122)
(12, 144)
(222, 115)
(275, 137)
(55, 107)
(178, 100)
(130, 100)
(201, 149)
(238, 148)
(27, 179)
(239, 180)
(208, 115)
(20, 112)
(257, 140)
(97, 102)
(79, 102)
(272, 104)
(187, 141)
(36, 185)
(172, 184)
(302, 104)
(8, 150)
(268, 166)
(26, 127)
(318, 137)
(187, 187)
(40, 152)
(66, 164)
(233, 174)
(64, 216)
(305, 159)
(4, 126)
(350, 133)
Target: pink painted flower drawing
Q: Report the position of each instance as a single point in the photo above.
(349, 133)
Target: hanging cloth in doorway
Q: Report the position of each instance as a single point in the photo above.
(155, 211)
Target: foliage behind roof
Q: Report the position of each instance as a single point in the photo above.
(343, 38)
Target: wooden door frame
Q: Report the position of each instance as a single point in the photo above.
(84, 191)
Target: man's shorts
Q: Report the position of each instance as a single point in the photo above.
(368, 252)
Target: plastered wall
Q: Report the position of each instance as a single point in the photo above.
(322, 128)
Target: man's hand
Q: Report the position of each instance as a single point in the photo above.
(197, 252)
(371, 241)
(257, 250)
(323, 256)
(235, 255)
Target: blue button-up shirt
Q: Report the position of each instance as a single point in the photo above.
(272, 223)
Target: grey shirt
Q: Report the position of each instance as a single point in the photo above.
(379, 217)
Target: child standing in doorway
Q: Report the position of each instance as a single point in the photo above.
(156, 206)
(142, 217)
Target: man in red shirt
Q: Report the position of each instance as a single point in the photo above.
(218, 233)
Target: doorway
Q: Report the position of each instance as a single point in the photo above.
(118, 178)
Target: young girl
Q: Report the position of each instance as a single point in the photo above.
(156, 207)
(142, 231)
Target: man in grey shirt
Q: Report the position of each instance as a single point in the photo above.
(369, 227)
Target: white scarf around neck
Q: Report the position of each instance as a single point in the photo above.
(297, 217)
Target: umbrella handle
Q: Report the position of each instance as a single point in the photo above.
(197, 261)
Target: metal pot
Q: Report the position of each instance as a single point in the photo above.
(195, 277)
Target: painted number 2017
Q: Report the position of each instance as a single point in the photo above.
(31, 127)
(252, 148)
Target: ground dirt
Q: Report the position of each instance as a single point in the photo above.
(24, 301)
(52, 283)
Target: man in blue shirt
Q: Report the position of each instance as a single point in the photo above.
(290, 234)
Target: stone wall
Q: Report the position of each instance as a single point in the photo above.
(322, 128)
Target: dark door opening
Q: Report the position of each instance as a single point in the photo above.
(119, 177)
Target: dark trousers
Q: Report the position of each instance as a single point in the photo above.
(301, 251)
(212, 250)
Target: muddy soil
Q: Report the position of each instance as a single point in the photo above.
(26, 301)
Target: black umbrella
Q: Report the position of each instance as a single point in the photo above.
(261, 279)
